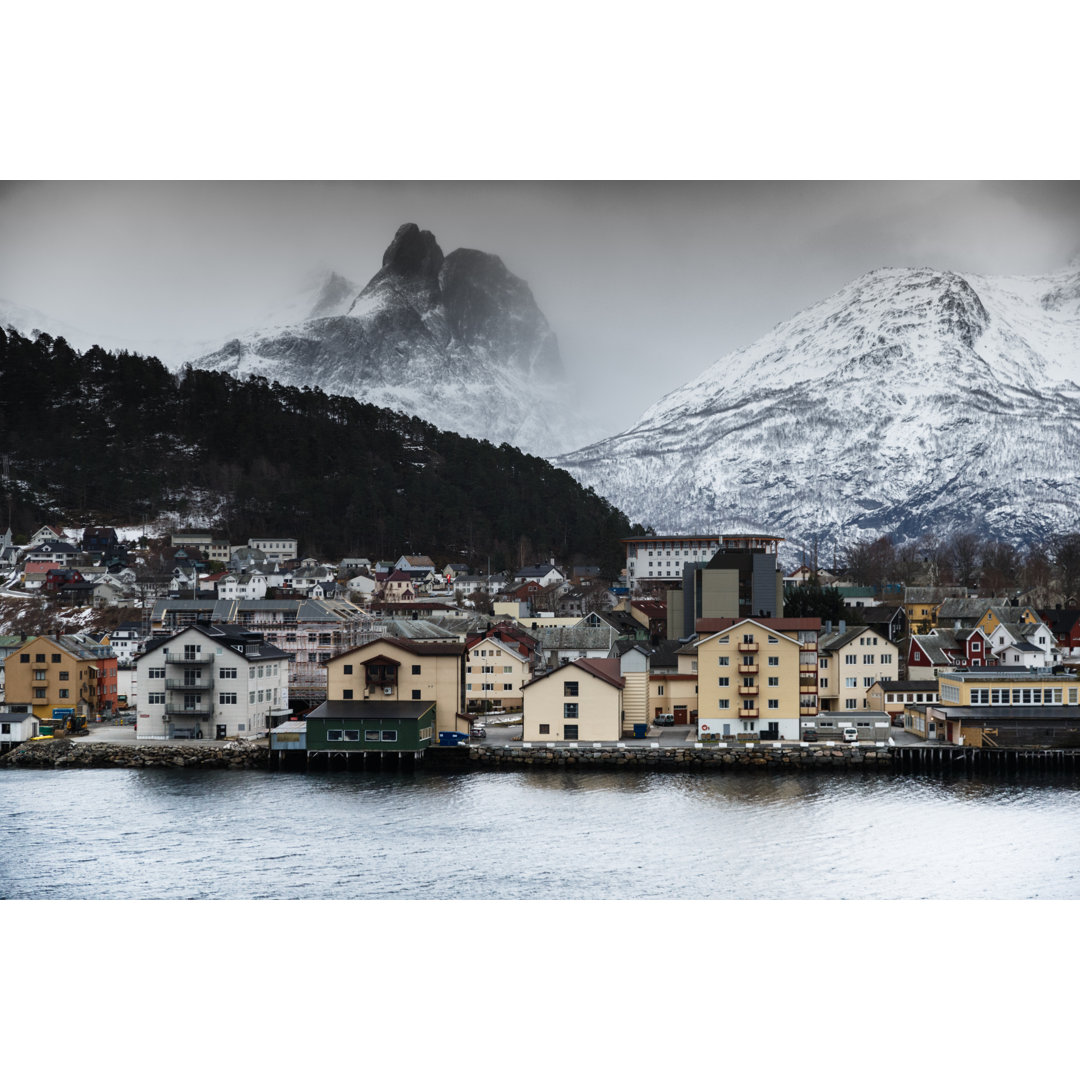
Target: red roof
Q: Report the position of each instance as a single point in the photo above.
(607, 669)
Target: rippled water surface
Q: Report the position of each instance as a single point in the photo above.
(169, 835)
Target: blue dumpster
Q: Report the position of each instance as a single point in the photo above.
(451, 738)
(641, 730)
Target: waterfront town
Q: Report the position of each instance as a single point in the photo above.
(691, 641)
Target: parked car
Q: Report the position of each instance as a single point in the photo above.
(851, 734)
(664, 720)
(478, 731)
(809, 735)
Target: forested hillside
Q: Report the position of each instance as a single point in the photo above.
(105, 438)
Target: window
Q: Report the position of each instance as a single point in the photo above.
(39, 658)
(722, 681)
(346, 695)
(352, 736)
(508, 686)
(868, 680)
(774, 680)
(39, 692)
(724, 703)
(724, 661)
(487, 669)
(483, 686)
(545, 729)
(226, 673)
(347, 669)
(416, 695)
(371, 736)
(65, 693)
(916, 656)
(227, 698)
(251, 698)
(774, 661)
(772, 640)
(155, 699)
(774, 703)
(39, 676)
(25, 658)
(334, 736)
(868, 658)
(260, 674)
(570, 689)
(570, 731)
(55, 657)
(155, 673)
(851, 683)
(5, 729)
(570, 711)
(416, 669)
(851, 703)
(823, 662)
(886, 658)
(824, 683)
(851, 658)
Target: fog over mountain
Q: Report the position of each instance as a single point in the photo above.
(457, 340)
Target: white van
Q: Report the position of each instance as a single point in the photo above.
(851, 734)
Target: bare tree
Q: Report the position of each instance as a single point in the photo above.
(999, 566)
(1066, 550)
(964, 551)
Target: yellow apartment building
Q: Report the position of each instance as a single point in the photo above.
(757, 678)
(397, 669)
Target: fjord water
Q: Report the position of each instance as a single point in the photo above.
(142, 834)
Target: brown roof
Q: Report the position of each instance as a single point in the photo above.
(607, 670)
(419, 648)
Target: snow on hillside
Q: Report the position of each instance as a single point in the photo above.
(911, 399)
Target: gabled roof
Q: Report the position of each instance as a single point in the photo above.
(607, 670)
(418, 648)
(1060, 620)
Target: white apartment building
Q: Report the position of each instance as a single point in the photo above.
(277, 549)
(656, 559)
(211, 681)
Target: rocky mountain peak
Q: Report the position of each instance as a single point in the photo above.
(413, 253)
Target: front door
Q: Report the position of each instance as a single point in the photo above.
(680, 714)
(221, 731)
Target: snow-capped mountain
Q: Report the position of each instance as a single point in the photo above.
(457, 340)
(911, 400)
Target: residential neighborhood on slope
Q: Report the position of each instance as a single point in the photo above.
(256, 640)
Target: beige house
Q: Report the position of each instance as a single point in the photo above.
(397, 669)
(676, 692)
(50, 673)
(495, 672)
(850, 661)
(580, 701)
(757, 678)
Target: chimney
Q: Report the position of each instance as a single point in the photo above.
(843, 626)
(828, 626)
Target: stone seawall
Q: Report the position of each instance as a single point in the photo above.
(83, 754)
(679, 758)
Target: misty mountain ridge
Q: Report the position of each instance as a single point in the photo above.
(457, 340)
(910, 400)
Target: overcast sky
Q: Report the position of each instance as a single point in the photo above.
(645, 283)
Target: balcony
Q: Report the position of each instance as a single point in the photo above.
(748, 691)
(807, 710)
(191, 687)
(807, 669)
(184, 658)
(174, 711)
(748, 646)
(748, 714)
(748, 669)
